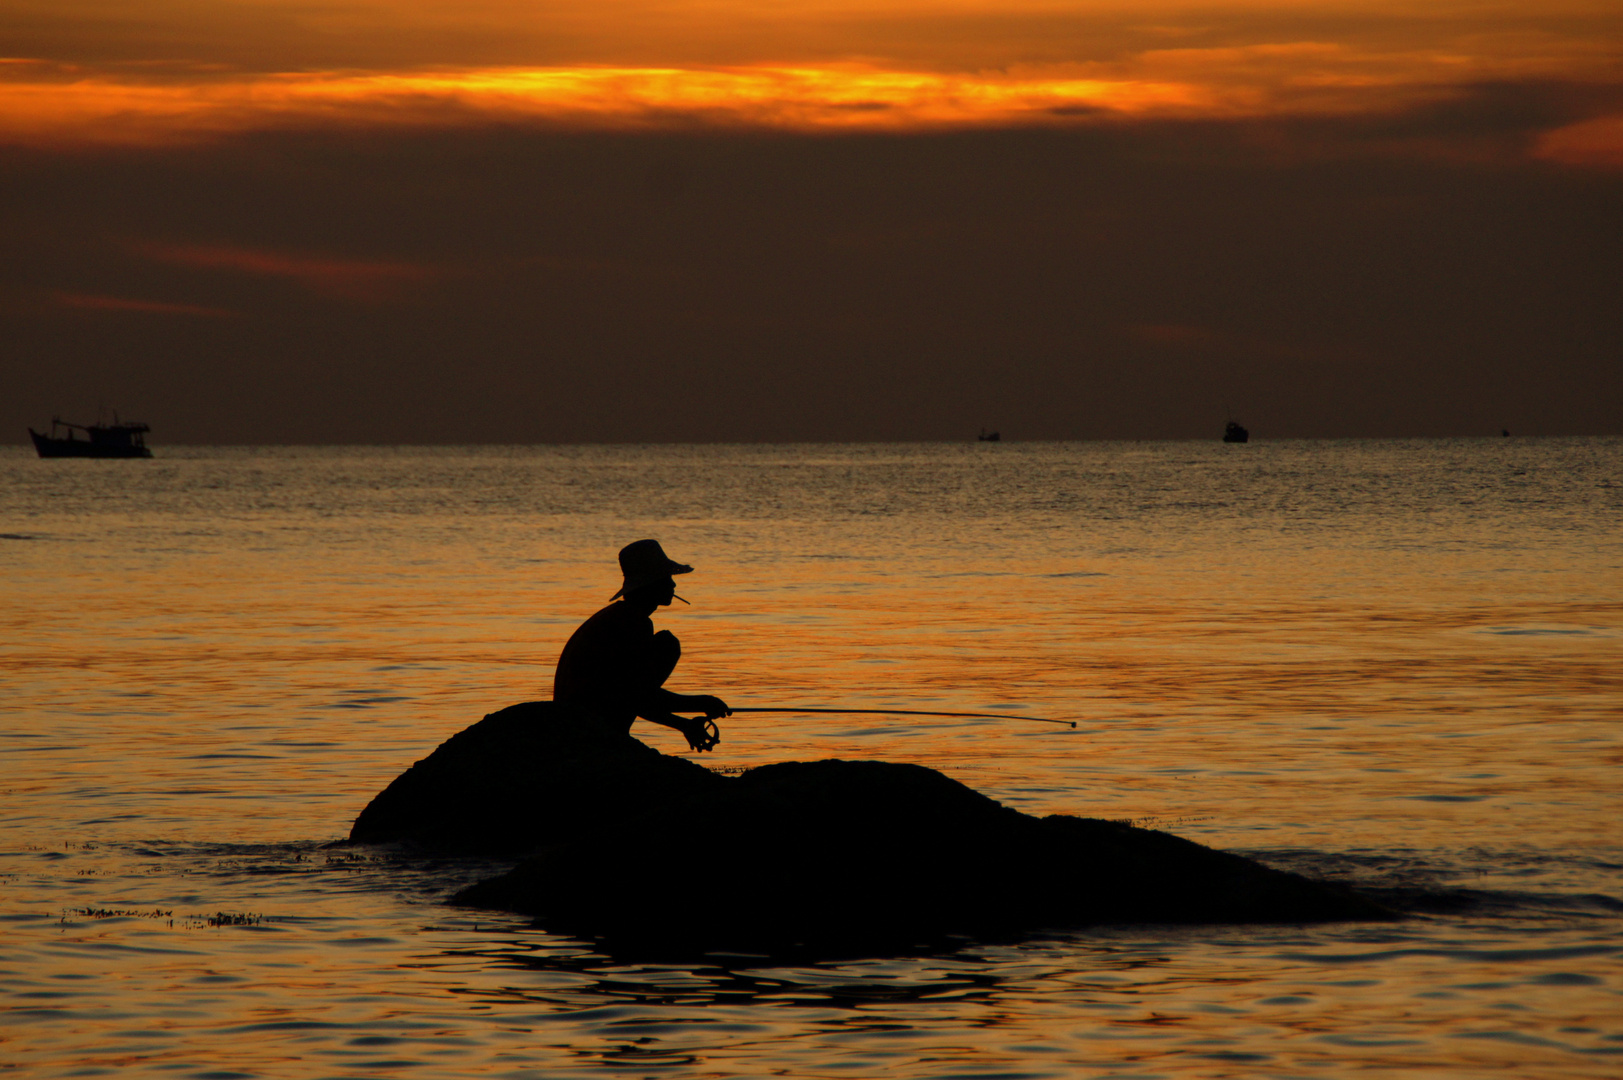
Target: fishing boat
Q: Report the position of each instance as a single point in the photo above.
(1235, 432)
(115, 440)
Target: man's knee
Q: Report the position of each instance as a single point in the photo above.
(664, 655)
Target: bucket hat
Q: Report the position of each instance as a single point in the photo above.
(644, 562)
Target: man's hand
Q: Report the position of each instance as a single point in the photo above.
(714, 708)
(702, 734)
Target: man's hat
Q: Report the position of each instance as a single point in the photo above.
(645, 563)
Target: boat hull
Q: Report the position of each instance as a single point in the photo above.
(83, 448)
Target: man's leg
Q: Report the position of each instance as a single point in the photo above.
(663, 656)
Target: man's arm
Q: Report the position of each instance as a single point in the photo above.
(702, 734)
(713, 707)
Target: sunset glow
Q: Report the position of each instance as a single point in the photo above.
(805, 67)
(842, 98)
(783, 220)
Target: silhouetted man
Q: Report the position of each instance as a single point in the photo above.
(614, 666)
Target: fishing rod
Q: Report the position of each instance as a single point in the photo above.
(903, 712)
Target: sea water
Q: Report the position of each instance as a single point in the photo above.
(1392, 664)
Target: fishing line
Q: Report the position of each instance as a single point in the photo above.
(903, 712)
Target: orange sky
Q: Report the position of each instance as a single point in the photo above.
(164, 70)
(649, 220)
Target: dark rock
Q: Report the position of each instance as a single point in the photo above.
(653, 853)
(523, 777)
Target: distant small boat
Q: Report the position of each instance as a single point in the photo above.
(115, 440)
(988, 436)
(1234, 432)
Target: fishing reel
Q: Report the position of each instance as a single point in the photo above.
(703, 734)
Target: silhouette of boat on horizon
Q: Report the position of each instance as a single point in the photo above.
(989, 436)
(1235, 432)
(115, 440)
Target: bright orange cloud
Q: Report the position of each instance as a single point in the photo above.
(182, 70)
(845, 97)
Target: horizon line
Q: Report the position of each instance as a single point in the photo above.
(1497, 436)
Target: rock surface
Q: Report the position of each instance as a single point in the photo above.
(523, 777)
(645, 851)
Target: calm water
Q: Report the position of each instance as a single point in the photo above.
(1393, 663)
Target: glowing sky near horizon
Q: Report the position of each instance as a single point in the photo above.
(168, 70)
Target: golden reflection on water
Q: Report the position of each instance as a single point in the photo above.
(1400, 656)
